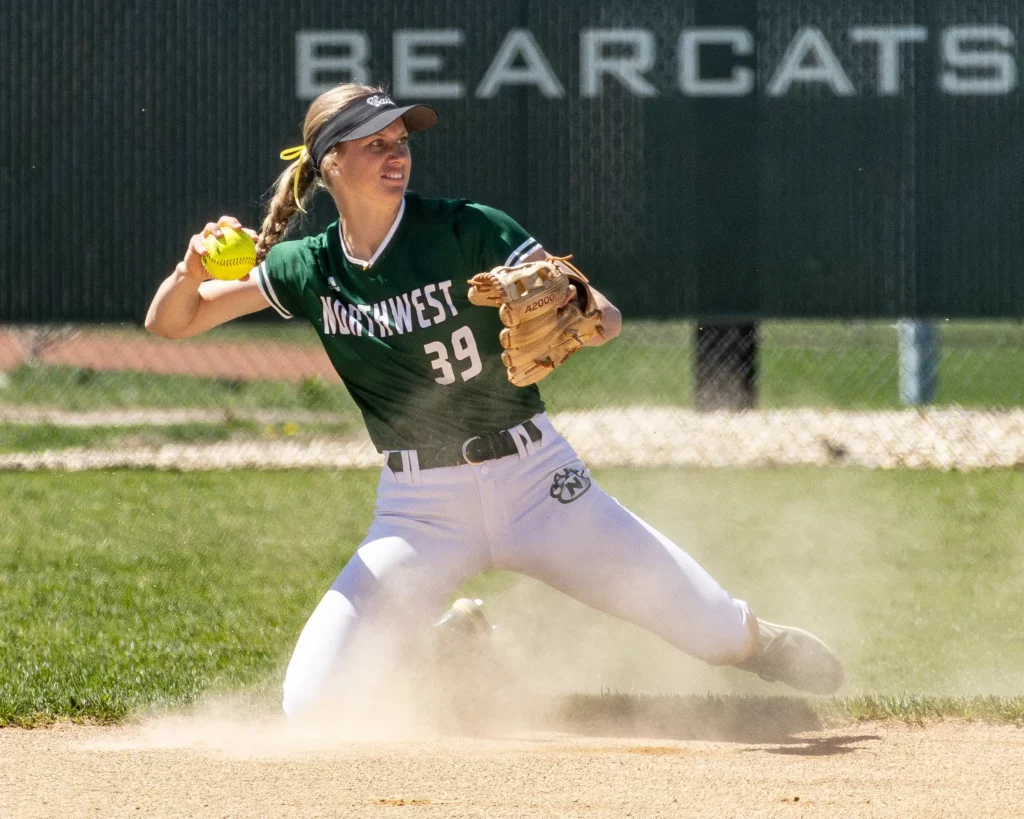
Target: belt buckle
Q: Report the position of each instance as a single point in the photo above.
(465, 445)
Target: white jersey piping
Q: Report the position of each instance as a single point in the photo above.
(387, 239)
(267, 289)
(521, 252)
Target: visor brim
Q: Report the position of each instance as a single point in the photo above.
(416, 117)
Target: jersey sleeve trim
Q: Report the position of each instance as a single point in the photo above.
(267, 289)
(521, 252)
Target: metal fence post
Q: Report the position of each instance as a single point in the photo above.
(919, 361)
(725, 370)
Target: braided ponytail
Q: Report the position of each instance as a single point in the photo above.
(283, 206)
(291, 194)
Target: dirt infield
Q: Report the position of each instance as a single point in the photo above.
(202, 359)
(860, 770)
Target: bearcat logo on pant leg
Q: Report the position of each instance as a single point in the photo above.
(569, 484)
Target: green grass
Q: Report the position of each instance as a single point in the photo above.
(918, 709)
(278, 332)
(72, 388)
(126, 590)
(802, 364)
(821, 335)
(285, 332)
(45, 436)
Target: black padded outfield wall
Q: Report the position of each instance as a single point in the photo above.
(728, 159)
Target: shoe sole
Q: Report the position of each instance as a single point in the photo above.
(831, 680)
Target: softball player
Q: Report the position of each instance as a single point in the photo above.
(474, 475)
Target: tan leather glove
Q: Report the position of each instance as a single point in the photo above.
(548, 310)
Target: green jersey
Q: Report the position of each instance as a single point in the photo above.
(422, 364)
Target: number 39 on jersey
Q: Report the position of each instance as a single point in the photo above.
(463, 346)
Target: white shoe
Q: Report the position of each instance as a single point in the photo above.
(465, 668)
(795, 657)
(465, 620)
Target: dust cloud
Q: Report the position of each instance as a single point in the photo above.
(846, 560)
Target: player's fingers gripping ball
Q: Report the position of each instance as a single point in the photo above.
(230, 256)
(548, 310)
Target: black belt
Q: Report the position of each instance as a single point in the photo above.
(474, 450)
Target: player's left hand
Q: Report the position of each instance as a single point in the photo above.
(549, 312)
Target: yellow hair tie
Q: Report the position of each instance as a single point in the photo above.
(291, 154)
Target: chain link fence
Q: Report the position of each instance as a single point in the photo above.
(255, 394)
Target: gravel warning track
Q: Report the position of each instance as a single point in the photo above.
(636, 436)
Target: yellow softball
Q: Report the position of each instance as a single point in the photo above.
(231, 256)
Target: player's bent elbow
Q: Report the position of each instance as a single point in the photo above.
(156, 328)
(153, 328)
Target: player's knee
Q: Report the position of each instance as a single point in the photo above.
(302, 692)
(295, 702)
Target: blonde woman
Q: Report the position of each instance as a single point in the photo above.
(474, 475)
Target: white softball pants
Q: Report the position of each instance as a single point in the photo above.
(436, 528)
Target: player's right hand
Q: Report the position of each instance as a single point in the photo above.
(193, 261)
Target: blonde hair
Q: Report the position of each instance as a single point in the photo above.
(284, 204)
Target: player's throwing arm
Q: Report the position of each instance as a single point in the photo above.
(207, 287)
